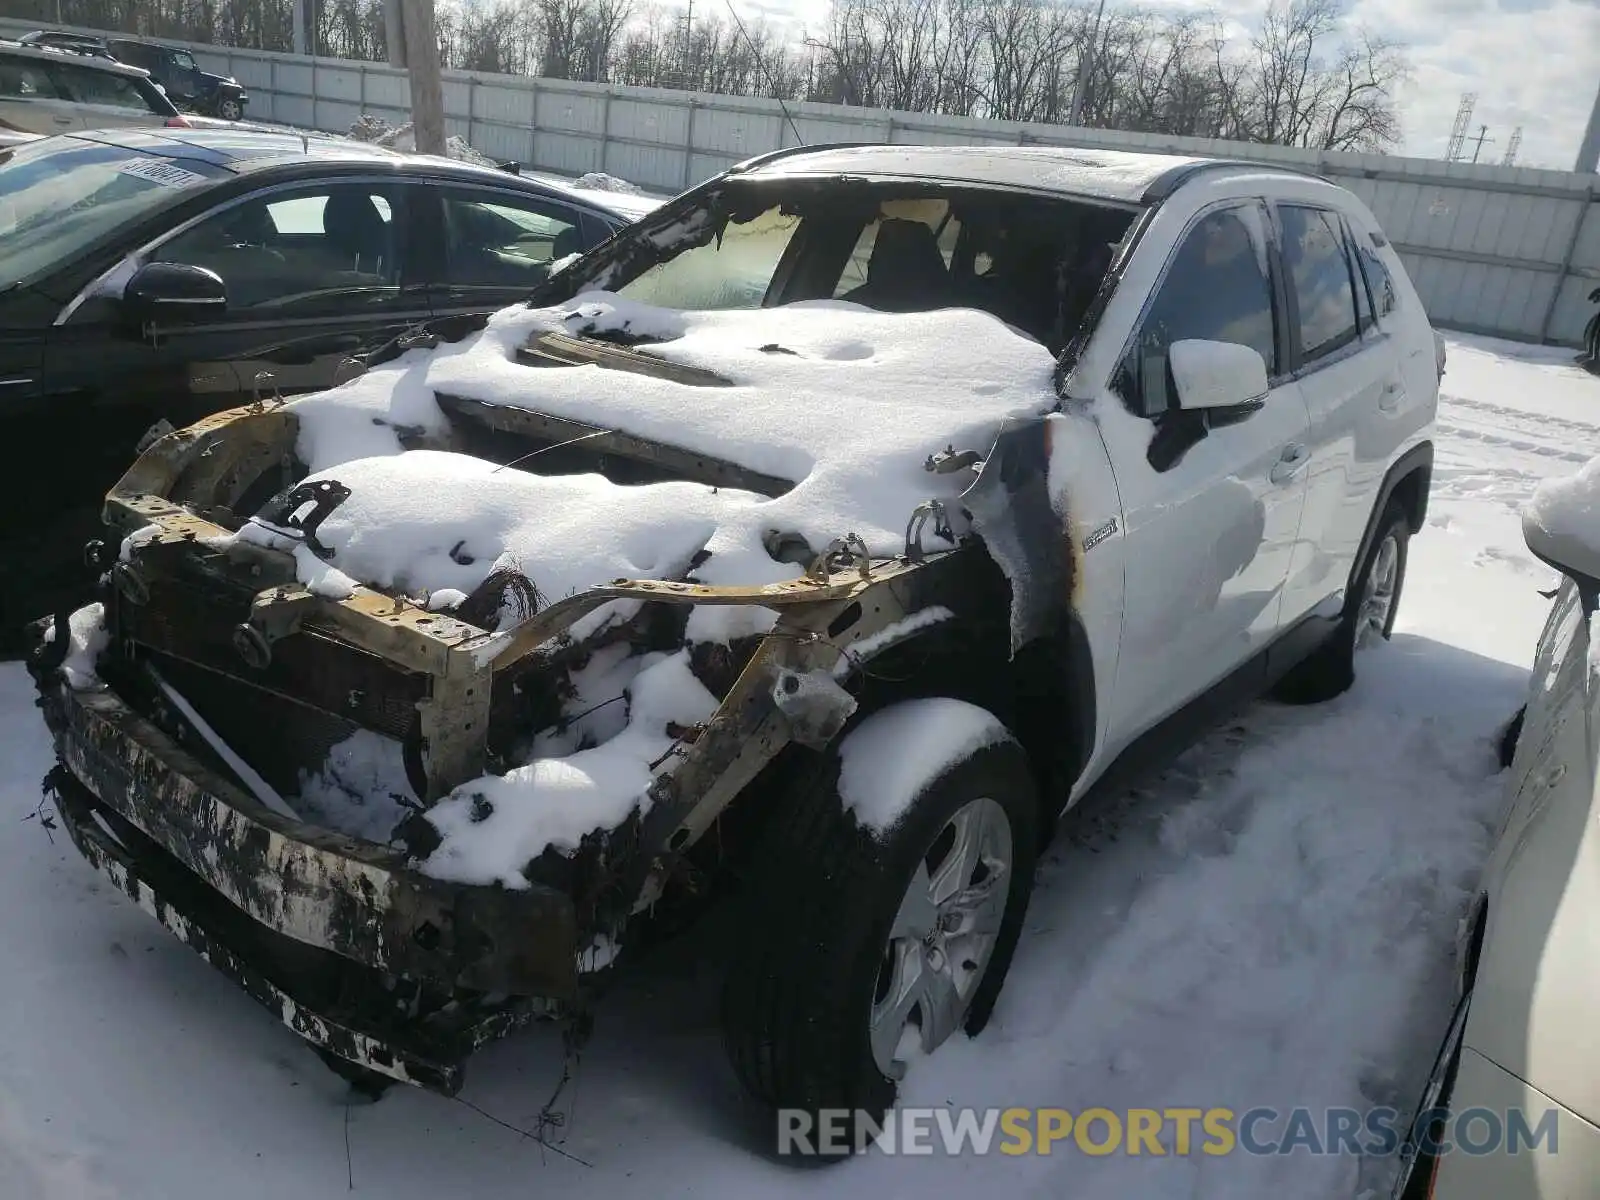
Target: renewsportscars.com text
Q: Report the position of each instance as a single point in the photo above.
(1162, 1132)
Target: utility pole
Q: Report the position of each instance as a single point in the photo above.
(688, 28)
(394, 32)
(421, 41)
(302, 26)
(1085, 57)
(1483, 136)
(1589, 151)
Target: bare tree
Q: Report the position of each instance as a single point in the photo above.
(1306, 77)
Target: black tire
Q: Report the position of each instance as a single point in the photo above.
(1331, 669)
(230, 110)
(800, 990)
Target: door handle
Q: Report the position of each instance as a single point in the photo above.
(1295, 455)
(1393, 393)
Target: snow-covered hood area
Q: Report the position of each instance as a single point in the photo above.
(846, 402)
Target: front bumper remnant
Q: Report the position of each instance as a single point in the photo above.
(338, 938)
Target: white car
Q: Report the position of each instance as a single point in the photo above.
(832, 528)
(47, 91)
(1525, 1038)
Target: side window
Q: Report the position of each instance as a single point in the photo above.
(26, 79)
(327, 248)
(493, 239)
(1319, 280)
(88, 86)
(1216, 289)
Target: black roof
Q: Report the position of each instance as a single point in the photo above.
(243, 150)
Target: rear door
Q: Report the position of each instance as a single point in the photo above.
(104, 99)
(1347, 366)
(494, 247)
(31, 100)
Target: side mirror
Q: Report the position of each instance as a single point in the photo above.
(1561, 525)
(174, 292)
(1220, 378)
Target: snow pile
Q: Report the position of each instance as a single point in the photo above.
(87, 637)
(891, 757)
(1563, 518)
(360, 789)
(846, 402)
(429, 520)
(368, 128)
(494, 826)
(599, 181)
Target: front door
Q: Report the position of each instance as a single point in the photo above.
(314, 274)
(31, 100)
(1211, 516)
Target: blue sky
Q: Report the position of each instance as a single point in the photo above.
(1534, 63)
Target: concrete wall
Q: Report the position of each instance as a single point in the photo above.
(1508, 251)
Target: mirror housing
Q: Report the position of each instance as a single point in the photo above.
(1218, 377)
(1561, 524)
(174, 292)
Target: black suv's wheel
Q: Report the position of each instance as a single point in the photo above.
(229, 109)
(1368, 617)
(859, 944)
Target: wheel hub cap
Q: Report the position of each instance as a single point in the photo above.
(1377, 598)
(943, 935)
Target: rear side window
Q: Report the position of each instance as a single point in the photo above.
(1320, 284)
(26, 79)
(88, 86)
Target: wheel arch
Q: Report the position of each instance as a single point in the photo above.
(1406, 483)
(1044, 693)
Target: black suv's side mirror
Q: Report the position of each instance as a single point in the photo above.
(175, 293)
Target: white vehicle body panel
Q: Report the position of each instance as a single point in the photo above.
(1259, 523)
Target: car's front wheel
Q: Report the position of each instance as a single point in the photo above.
(866, 947)
(1368, 618)
(230, 109)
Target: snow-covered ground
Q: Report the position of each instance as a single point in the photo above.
(1268, 924)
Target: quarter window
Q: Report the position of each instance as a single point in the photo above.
(1378, 279)
(1319, 280)
(1216, 289)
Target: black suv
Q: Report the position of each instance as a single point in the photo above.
(186, 84)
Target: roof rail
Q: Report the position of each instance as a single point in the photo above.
(1172, 179)
(761, 160)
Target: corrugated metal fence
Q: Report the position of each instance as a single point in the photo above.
(1509, 251)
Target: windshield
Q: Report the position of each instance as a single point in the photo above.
(1033, 261)
(59, 197)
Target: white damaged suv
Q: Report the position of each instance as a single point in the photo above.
(822, 537)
